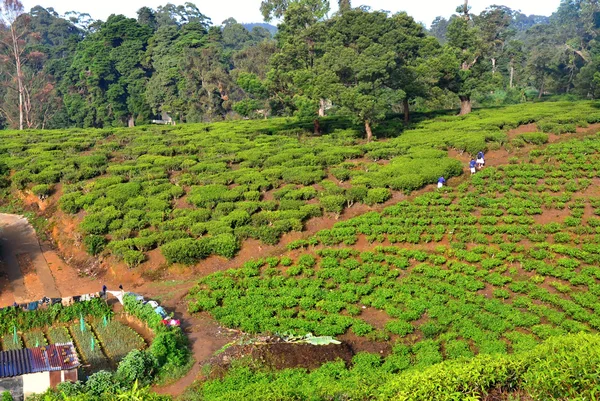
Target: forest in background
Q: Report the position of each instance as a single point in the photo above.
(61, 71)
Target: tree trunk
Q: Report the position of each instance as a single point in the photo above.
(317, 125)
(321, 107)
(369, 131)
(17, 55)
(131, 122)
(512, 74)
(465, 105)
(493, 66)
(541, 88)
(406, 108)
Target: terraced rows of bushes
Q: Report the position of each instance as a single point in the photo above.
(497, 265)
(198, 190)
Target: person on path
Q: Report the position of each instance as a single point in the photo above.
(473, 166)
(441, 182)
(104, 288)
(480, 160)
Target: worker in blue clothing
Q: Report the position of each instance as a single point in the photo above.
(473, 165)
(441, 182)
(480, 160)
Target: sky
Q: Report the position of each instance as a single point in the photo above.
(248, 10)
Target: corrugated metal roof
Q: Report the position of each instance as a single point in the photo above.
(35, 360)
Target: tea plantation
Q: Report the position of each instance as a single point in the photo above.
(200, 190)
(489, 286)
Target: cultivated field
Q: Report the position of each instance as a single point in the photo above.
(480, 272)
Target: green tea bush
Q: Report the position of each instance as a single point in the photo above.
(333, 203)
(42, 190)
(187, 251)
(535, 138)
(377, 195)
(94, 244)
(225, 245)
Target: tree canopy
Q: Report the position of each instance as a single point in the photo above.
(174, 63)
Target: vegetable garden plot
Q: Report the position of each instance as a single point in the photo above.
(88, 346)
(128, 184)
(116, 338)
(497, 281)
(59, 334)
(11, 342)
(34, 339)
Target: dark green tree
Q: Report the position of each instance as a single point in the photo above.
(105, 84)
(344, 5)
(366, 62)
(465, 72)
(277, 8)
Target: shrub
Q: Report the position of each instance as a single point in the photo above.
(42, 190)
(357, 193)
(187, 251)
(137, 366)
(225, 245)
(101, 383)
(303, 175)
(536, 138)
(407, 182)
(399, 327)
(377, 195)
(133, 258)
(94, 244)
(333, 203)
(94, 224)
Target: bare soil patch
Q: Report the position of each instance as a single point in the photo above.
(35, 288)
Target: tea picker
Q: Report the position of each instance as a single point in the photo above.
(473, 165)
(480, 160)
(441, 182)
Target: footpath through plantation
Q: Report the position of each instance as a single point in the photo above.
(486, 288)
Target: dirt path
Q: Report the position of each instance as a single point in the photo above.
(23, 260)
(205, 335)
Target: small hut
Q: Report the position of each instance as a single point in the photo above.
(34, 370)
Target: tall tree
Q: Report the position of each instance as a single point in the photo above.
(147, 16)
(293, 74)
(493, 25)
(106, 82)
(439, 29)
(277, 8)
(167, 51)
(466, 47)
(344, 5)
(14, 29)
(362, 55)
(171, 14)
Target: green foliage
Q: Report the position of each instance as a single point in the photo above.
(333, 203)
(94, 244)
(42, 190)
(377, 195)
(547, 371)
(169, 348)
(536, 138)
(137, 366)
(186, 250)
